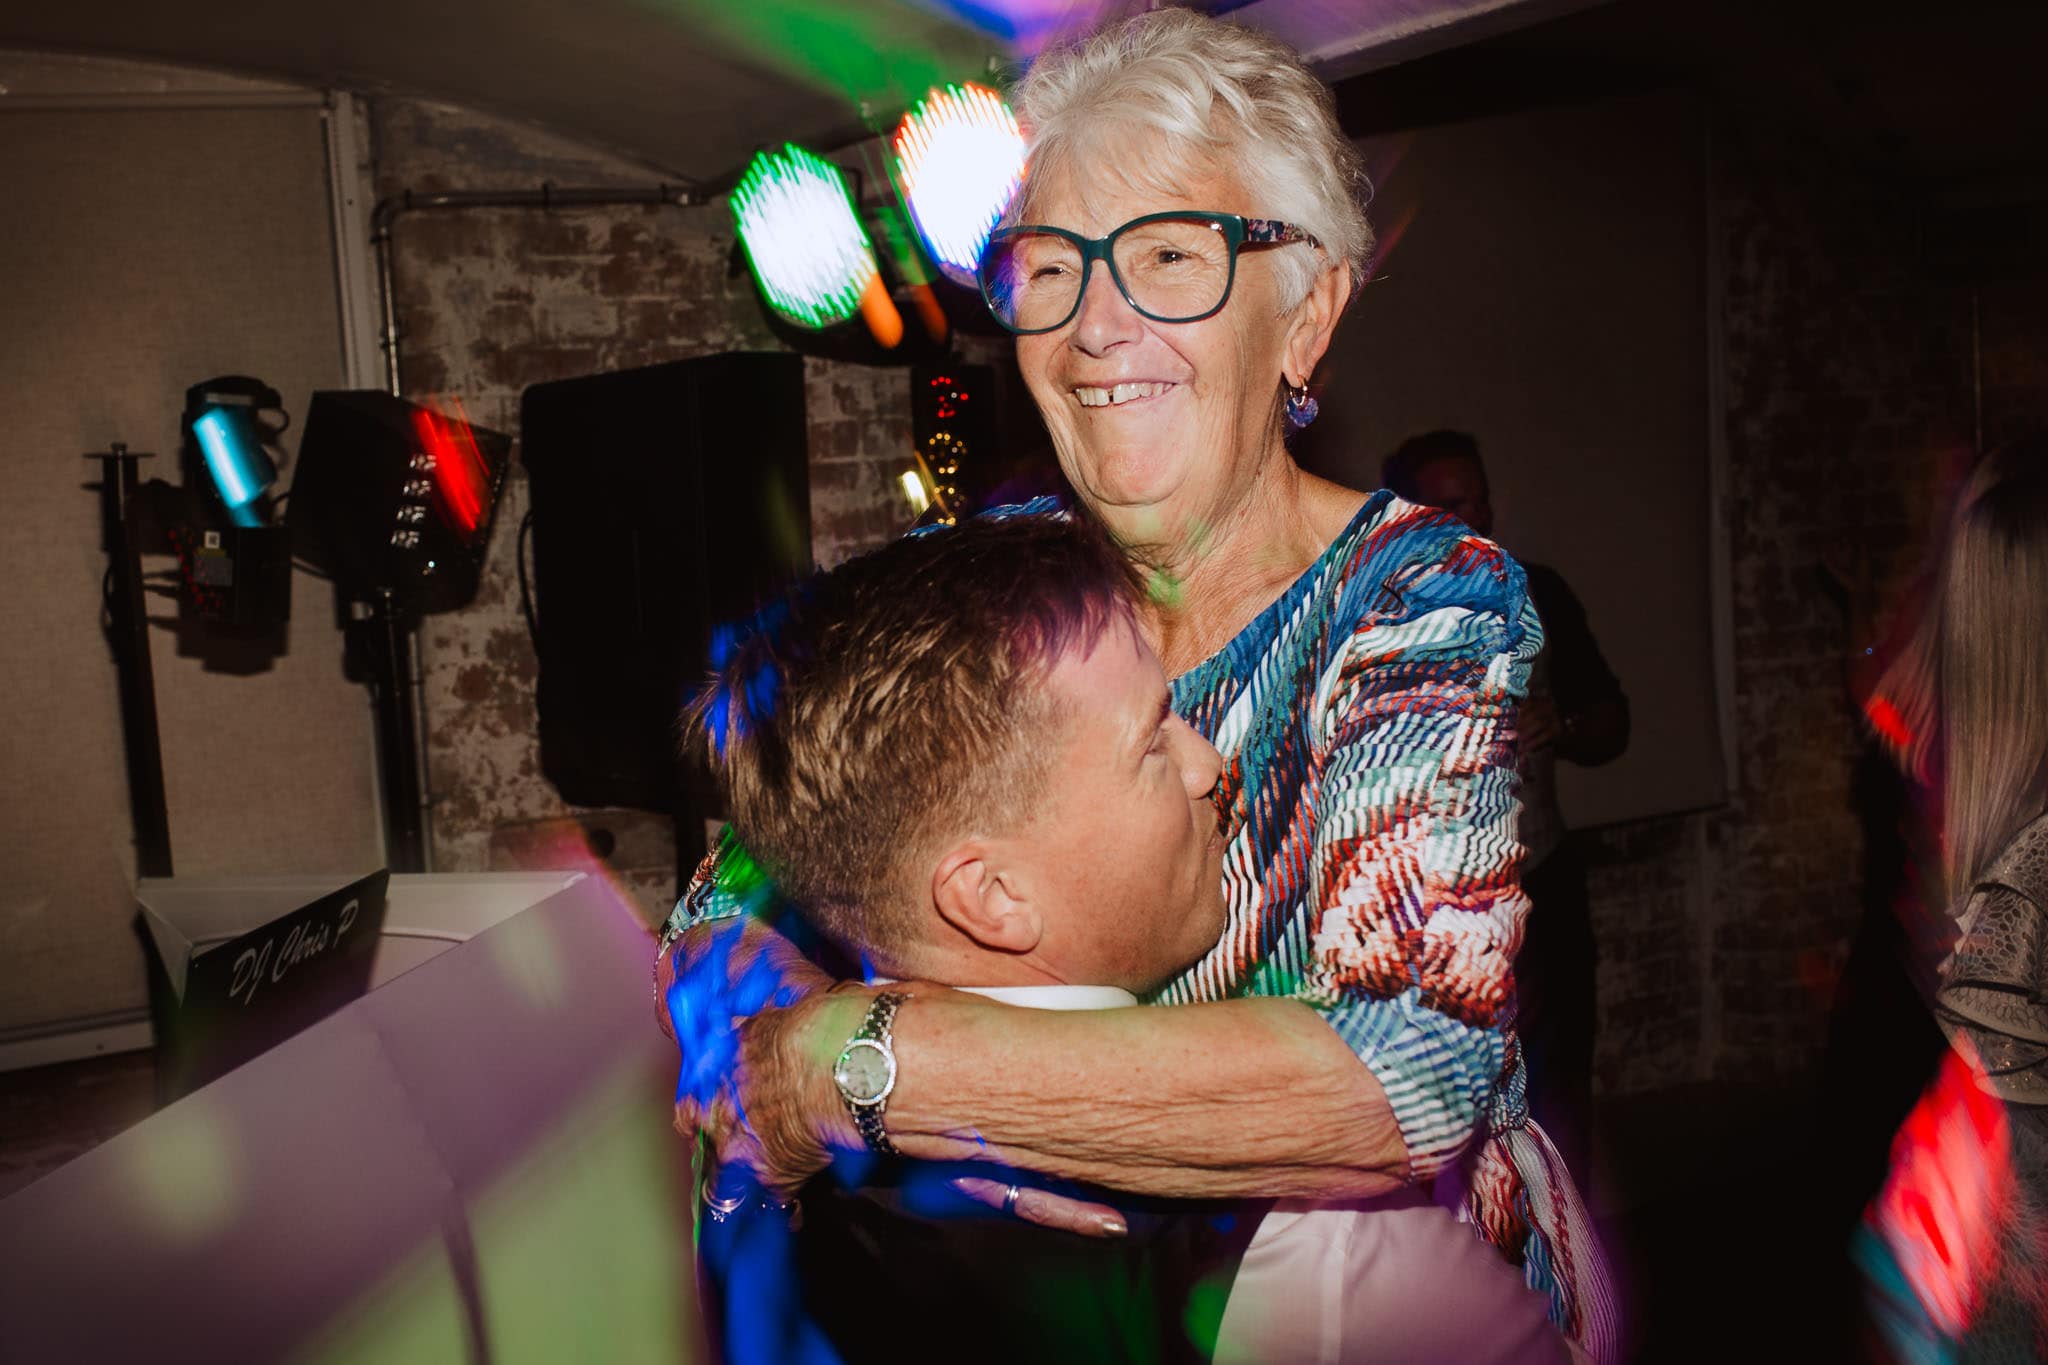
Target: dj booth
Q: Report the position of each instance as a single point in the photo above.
(471, 1161)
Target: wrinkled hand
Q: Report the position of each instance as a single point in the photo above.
(757, 1025)
(1045, 1208)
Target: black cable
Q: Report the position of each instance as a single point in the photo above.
(526, 596)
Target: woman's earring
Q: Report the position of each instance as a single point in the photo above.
(1301, 407)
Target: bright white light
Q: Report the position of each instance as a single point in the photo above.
(959, 160)
(915, 493)
(803, 239)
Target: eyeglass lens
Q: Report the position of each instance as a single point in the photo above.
(1172, 269)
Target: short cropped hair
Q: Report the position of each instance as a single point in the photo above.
(1402, 470)
(895, 703)
(1224, 99)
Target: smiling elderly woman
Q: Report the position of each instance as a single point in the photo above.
(1187, 237)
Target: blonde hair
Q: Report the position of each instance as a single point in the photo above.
(1991, 660)
(1222, 99)
(889, 704)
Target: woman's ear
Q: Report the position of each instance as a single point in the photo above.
(971, 892)
(1314, 323)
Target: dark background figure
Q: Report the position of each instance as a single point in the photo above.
(1576, 712)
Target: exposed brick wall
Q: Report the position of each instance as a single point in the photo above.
(1847, 387)
(490, 301)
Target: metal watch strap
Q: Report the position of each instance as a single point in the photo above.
(877, 1027)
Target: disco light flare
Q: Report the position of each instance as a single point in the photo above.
(1889, 724)
(914, 491)
(1026, 26)
(1939, 1213)
(461, 476)
(235, 459)
(959, 161)
(806, 245)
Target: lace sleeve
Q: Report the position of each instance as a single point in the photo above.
(1994, 992)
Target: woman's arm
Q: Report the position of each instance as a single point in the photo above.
(1242, 1097)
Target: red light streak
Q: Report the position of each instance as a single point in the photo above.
(461, 478)
(1951, 1178)
(1886, 720)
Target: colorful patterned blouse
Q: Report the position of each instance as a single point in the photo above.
(1365, 722)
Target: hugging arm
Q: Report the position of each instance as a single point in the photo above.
(1380, 1069)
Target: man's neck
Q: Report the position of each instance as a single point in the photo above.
(974, 968)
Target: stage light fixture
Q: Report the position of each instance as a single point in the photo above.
(959, 160)
(804, 240)
(395, 499)
(236, 461)
(234, 565)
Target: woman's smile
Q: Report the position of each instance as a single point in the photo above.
(1121, 395)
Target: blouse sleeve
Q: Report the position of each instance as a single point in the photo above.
(1994, 993)
(726, 886)
(1418, 904)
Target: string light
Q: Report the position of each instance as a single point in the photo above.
(959, 161)
(940, 453)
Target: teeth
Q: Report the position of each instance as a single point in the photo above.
(1122, 393)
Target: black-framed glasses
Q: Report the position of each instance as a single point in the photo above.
(1171, 267)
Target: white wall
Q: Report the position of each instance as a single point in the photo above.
(145, 246)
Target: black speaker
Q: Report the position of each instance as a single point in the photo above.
(665, 500)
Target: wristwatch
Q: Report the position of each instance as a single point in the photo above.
(866, 1072)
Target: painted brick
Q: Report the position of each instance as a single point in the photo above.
(490, 301)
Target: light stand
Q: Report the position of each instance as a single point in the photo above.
(382, 640)
(128, 632)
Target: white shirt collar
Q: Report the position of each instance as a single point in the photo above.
(1049, 997)
(1057, 997)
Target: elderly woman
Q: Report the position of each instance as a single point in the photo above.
(1189, 234)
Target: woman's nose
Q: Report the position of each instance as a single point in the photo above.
(1105, 317)
(1201, 765)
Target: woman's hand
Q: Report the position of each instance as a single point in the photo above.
(759, 1028)
(773, 1118)
(745, 1009)
(1044, 1208)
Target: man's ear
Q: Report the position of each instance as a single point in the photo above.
(972, 893)
(1315, 322)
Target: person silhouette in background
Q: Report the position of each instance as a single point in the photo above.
(1576, 712)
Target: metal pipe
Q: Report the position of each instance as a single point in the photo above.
(382, 220)
(161, 100)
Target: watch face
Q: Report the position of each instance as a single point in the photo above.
(865, 1072)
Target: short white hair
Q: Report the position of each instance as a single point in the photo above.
(1221, 98)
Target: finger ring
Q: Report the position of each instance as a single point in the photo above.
(722, 1209)
(1010, 1199)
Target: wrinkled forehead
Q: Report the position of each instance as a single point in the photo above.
(1094, 180)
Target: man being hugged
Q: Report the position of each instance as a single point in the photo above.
(956, 756)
